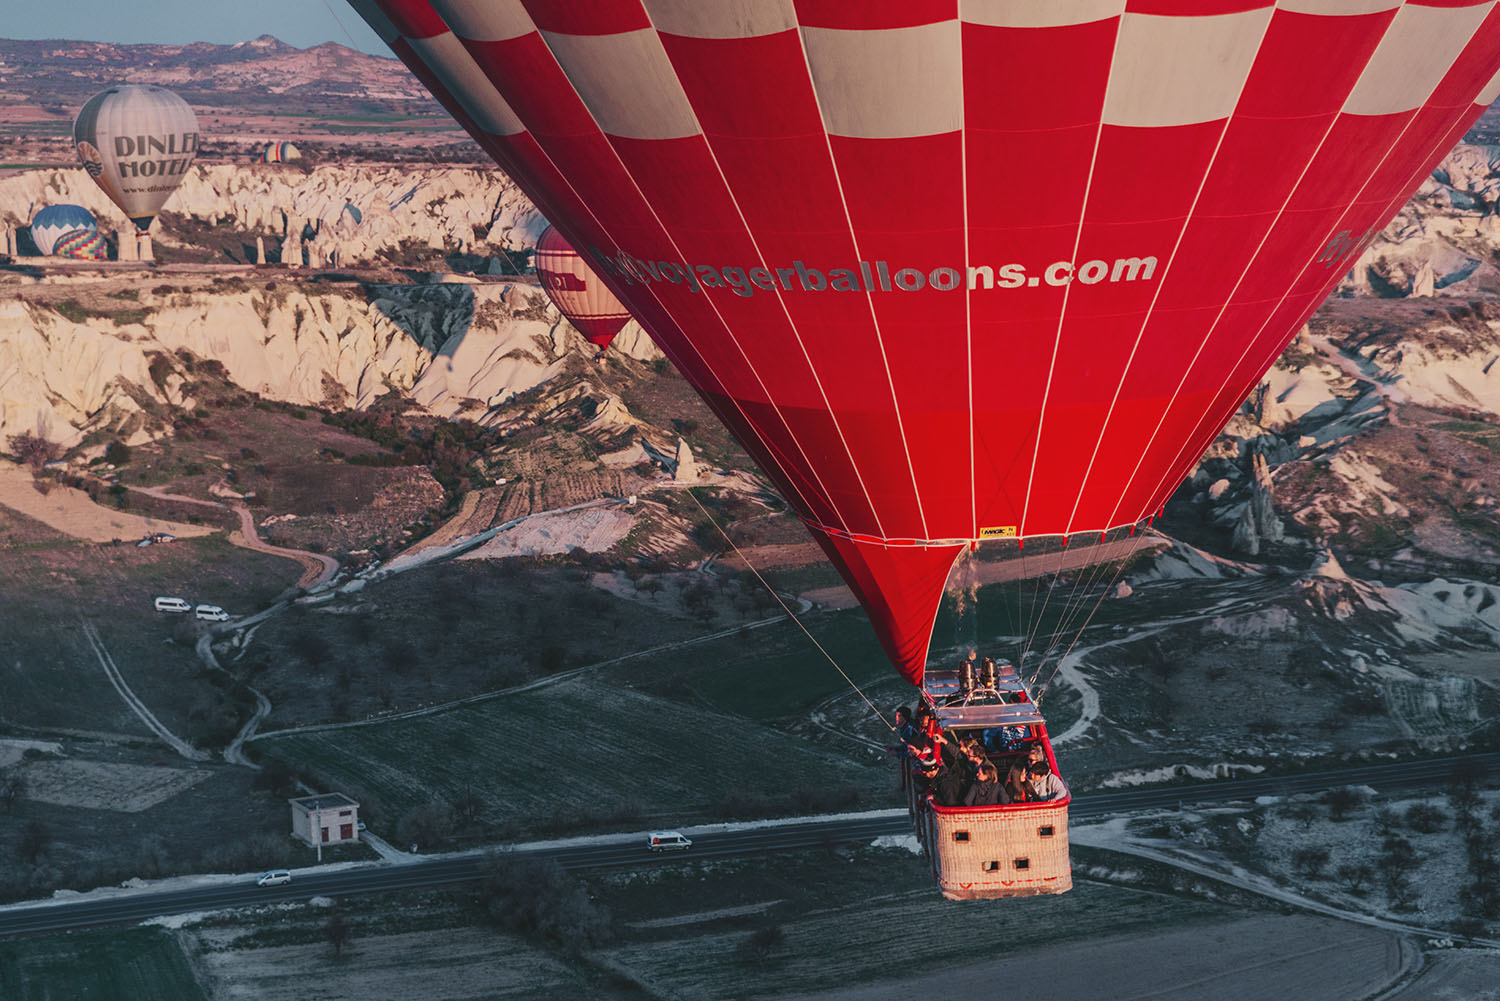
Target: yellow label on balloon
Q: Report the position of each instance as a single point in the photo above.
(998, 532)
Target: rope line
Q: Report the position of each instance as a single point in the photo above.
(1135, 548)
(790, 614)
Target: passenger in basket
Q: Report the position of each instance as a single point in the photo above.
(971, 756)
(1036, 752)
(922, 778)
(1045, 785)
(929, 755)
(906, 733)
(948, 786)
(928, 727)
(1017, 790)
(986, 789)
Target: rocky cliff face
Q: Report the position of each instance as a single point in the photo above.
(1445, 240)
(446, 208)
(457, 350)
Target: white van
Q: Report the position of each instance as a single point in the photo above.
(166, 604)
(665, 841)
(274, 878)
(211, 613)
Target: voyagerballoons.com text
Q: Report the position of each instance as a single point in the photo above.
(870, 276)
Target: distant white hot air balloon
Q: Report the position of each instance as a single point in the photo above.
(136, 141)
(53, 222)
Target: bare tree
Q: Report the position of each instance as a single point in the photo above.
(1354, 876)
(34, 841)
(12, 788)
(1425, 818)
(1386, 821)
(1343, 801)
(1397, 860)
(33, 450)
(1310, 861)
(427, 825)
(763, 943)
(1304, 813)
(338, 932)
(537, 896)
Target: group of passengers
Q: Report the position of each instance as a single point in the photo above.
(968, 771)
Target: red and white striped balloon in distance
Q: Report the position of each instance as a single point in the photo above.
(958, 270)
(577, 292)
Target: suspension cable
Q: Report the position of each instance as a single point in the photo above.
(790, 614)
(1083, 585)
(1135, 548)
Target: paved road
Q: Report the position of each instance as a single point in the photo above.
(627, 851)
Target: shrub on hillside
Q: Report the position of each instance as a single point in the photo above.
(763, 943)
(537, 896)
(32, 450)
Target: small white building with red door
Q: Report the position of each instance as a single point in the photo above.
(329, 818)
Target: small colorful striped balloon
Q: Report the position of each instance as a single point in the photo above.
(81, 245)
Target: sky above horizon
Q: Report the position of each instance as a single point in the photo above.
(174, 22)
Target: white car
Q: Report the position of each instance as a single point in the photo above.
(211, 613)
(666, 841)
(275, 877)
(167, 604)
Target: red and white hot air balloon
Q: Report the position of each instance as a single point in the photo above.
(577, 292)
(958, 270)
(963, 270)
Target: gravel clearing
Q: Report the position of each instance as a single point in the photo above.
(101, 785)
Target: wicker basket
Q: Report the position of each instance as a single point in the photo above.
(1017, 850)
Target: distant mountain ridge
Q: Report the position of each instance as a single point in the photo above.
(53, 72)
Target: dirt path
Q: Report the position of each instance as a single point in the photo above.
(235, 753)
(1111, 837)
(73, 512)
(316, 567)
(153, 724)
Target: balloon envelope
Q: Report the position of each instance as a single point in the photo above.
(55, 220)
(279, 152)
(953, 271)
(576, 291)
(81, 245)
(136, 142)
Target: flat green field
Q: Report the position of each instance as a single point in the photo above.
(51, 584)
(849, 916)
(580, 747)
(879, 918)
(134, 964)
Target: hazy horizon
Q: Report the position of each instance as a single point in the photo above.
(181, 22)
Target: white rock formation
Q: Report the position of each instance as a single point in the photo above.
(440, 207)
(1424, 284)
(457, 350)
(61, 379)
(687, 467)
